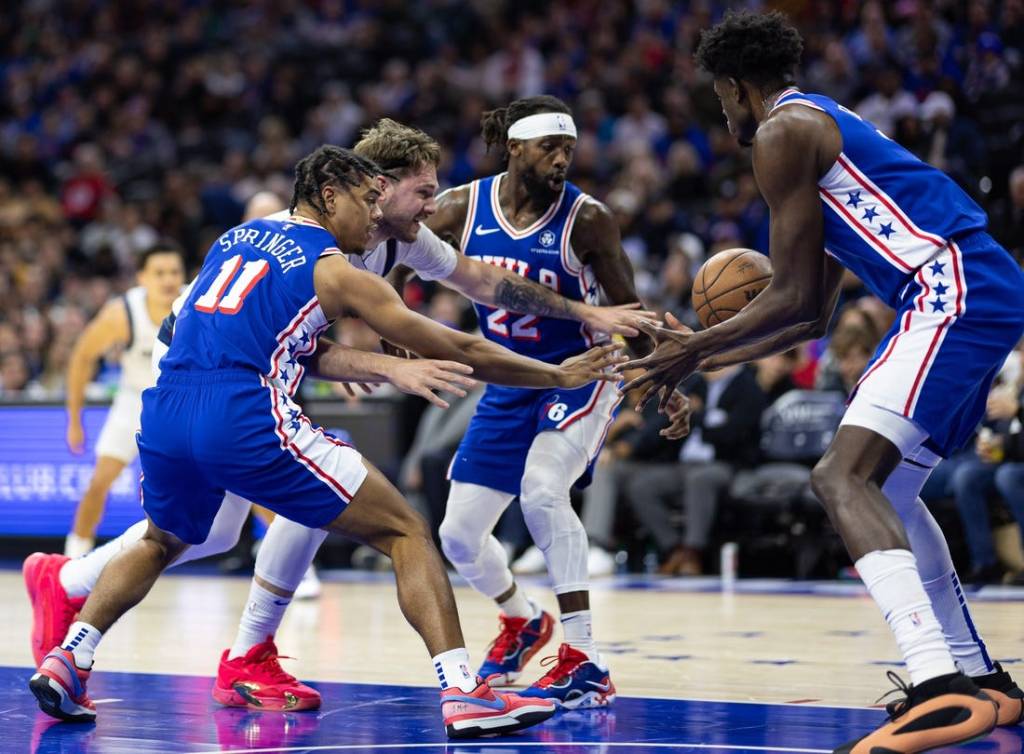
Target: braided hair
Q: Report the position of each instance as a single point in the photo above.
(327, 165)
(495, 122)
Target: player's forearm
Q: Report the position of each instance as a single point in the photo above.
(498, 365)
(781, 341)
(518, 294)
(77, 377)
(767, 316)
(333, 361)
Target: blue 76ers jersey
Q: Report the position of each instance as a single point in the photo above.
(253, 304)
(543, 253)
(887, 214)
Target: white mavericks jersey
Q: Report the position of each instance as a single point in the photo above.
(136, 369)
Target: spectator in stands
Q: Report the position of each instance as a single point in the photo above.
(997, 469)
(1007, 219)
(727, 406)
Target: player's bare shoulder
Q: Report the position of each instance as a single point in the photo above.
(595, 229)
(450, 218)
(794, 132)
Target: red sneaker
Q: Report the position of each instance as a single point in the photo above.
(519, 640)
(53, 611)
(59, 687)
(482, 712)
(257, 681)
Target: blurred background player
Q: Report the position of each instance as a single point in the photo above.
(841, 193)
(535, 445)
(284, 560)
(130, 321)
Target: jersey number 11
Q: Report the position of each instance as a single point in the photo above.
(231, 303)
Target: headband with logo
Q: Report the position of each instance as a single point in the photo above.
(542, 124)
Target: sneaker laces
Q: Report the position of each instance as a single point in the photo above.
(564, 665)
(897, 707)
(270, 666)
(508, 634)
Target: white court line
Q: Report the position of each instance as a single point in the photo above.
(456, 743)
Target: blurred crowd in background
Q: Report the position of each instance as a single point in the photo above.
(124, 122)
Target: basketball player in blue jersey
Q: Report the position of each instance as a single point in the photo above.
(841, 194)
(536, 445)
(58, 586)
(223, 416)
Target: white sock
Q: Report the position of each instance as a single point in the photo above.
(519, 605)
(892, 578)
(578, 631)
(452, 669)
(261, 618)
(935, 565)
(76, 546)
(79, 576)
(965, 643)
(81, 641)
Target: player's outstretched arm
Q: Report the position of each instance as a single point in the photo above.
(108, 328)
(496, 286)
(789, 152)
(333, 361)
(341, 287)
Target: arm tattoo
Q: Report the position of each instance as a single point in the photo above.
(527, 297)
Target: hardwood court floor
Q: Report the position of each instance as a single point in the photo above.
(769, 642)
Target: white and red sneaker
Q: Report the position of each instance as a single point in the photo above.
(257, 681)
(482, 712)
(59, 687)
(53, 611)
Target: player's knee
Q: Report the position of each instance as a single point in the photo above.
(164, 546)
(831, 481)
(459, 544)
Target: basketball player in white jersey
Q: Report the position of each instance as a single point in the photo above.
(288, 548)
(131, 321)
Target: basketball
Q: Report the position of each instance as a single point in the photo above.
(727, 282)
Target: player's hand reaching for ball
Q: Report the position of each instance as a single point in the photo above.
(616, 320)
(581, 370)
(424, 376)
(673, 360)
(678, 410)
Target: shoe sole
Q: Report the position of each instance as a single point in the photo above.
(490, 726)
(51, 701)
(231, 698)
(589, 700)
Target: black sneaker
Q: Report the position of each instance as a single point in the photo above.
(1007, 695)
(946, 710)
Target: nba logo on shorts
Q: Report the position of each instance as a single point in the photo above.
(547, 238)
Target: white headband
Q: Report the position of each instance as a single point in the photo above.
(542, 124)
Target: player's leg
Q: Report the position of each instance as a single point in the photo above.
(57, 587)
(59, 683)
(557, 459)
(942, 585)
(942, 706)
(309, 586)
(471, 514)
(115, 449)
(378, 516)
(90, 507)
(249, 674)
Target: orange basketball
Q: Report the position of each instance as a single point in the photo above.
(727, 282)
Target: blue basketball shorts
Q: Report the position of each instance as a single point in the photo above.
(507, 420)
(205, 433)
(961, 316)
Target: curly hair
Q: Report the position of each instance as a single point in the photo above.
(398, 148)
(326, 165)
(762, 48)
(495, 123)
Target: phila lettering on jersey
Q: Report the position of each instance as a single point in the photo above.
(543, 253)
